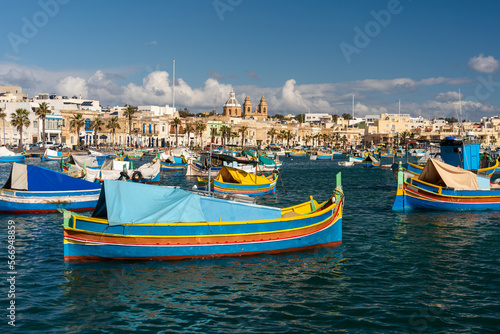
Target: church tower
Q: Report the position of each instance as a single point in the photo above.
(262, 109)
(231, 107)
(247, 108)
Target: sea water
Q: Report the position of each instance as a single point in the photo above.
(395, 272)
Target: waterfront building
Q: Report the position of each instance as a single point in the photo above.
(232, 107)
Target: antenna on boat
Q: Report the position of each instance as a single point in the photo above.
(460, 113)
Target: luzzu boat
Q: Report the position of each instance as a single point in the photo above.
(370, 161)
(52, 155)
(444, 187)
(32, 189)
(178, 224)
(231, 180)
(324, 156)
(354, 159)
(9, 156)
(173, 163)
(295, 154)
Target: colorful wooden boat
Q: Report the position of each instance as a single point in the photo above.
(32, 189)
(356, 160)
(370, 161)
(324, 156)
(173, 163)
(128, 225)
(87, 161)
(336, 152)
(9, 156)
(295, 154)
(52, 155)
(444, 187)
(231, 180)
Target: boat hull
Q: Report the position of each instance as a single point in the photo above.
(88, 239)
(13, 158)
(410, 197)
(14, 202)
(173, 166)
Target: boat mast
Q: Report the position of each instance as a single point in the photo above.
(173, 89)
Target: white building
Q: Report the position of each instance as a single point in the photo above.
(317, 118)
(53, 121)
(159, 111)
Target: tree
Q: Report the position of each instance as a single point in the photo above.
(96, 125)
(279, 117)
(185, 113)
(335, 118)
(272, 132)
(288, 137)
(213, 133)
(200, 128)
(243, 131)
(283, 136)
(42, 112)
(176, 122)
(234, 135)
(344, 140)
(346, 116)
(2, 116)
(225, 132)
(129, 112)
(77, 122)
(20, 119)
(301, 118)
(336, 137)
(189, 128)
(113, 125)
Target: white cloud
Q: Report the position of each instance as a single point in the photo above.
(449, 96)
(110, 88)
(483, 64)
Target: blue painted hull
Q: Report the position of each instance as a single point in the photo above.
(14, 158)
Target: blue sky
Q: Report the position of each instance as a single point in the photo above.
(302, 55)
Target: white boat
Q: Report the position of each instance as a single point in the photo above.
(346, 163)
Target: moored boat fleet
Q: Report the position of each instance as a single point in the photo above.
(133, 219)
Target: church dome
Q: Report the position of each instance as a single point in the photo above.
(232, 102)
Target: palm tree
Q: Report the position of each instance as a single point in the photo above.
(234, 135)
(42, 112)
(243, 130)
(336, 137)
(77, 122)
(2, 116)
(113, 125)
(129, 112)
(283, 136)
(288, 137)
(225, 132)
(213, 133)
(20, 119)
(176, 122)
(200, 128)
(343, 140)
(272, 132)
(189, 128)
(96, 125)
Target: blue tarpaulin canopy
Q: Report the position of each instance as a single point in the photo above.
(33, 178)
(134, 203)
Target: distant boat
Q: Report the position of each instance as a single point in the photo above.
(32, 189)
(178, 224)
(346, 163)
(236, 181)
(371, 161)
(52, 155)
(9, 156)
(295, 154)
(355, 159)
